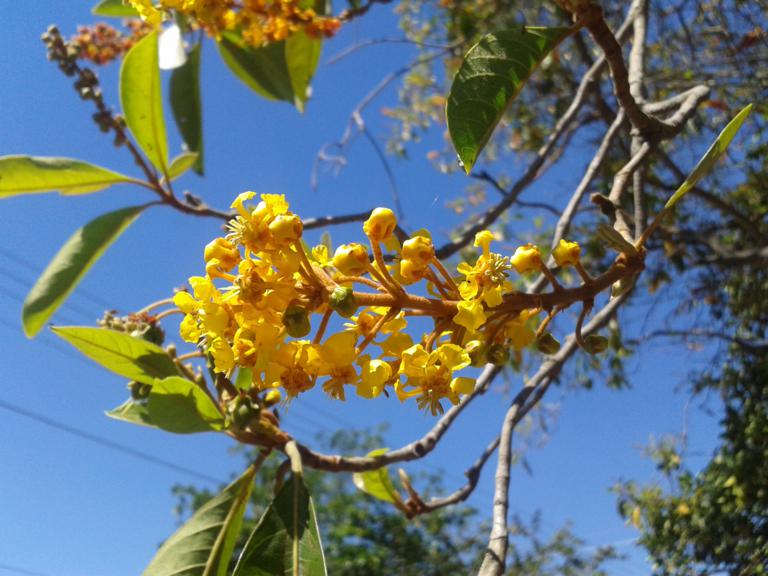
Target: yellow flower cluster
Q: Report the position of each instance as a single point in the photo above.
(253, 309)
(258, 21)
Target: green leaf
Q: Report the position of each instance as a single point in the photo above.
(185, 104)
(182, 163)
(286, 539)
(712, 155)
(491, 76)
(114, 9)
(302, 55)
(244, 378)
(204, 544)
(615, 240)
(179, 405)
(377, 483)
(70, 264)
(133, 412)
(134, 358)
(141, 99)
(36, 174)
(264, 69)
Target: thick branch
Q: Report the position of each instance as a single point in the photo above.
(534, 389)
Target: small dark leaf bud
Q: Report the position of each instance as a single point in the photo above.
(343, 301)
(548, 344)
(296, 321)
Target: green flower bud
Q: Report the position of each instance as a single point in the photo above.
(594, 344)
(243, 412)
(139, 390)
(296, 321)
(548, 344)
(343, 301)
(498, 354)
(477, 352)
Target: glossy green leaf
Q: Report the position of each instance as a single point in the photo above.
(133, 412)
(490, 77)
(263, 69)
(182, 163)
(286, 539)
(134, 358)
(711, 156)
(204, 544)
(141, 99)
(36, 174)
(185, 104)
(302, 54)
(114, 9)
(179, 405)
(377, 483)
(70, 264)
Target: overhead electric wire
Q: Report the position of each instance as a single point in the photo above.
(127, 450)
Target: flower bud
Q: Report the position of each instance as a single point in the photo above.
(410, 271)
(380, 224)
(139, 390)
(548, 344)
(477, 352)
(296, 321)
(566, 253)
(343, 301)
(351, 259)
(272, 397)
(498, 355)
(224, 251)
(243, 412)
(526, 259)
(419, 249)
(286, 228)
(594, 343)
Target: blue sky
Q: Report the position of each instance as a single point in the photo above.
(72, 507)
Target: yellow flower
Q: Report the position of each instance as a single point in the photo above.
(566, 253)
(374, 377)
(518, 330)
(185, 302)
(526, 259)
(380, 224)
(470, 315)
(430, 375)
(320, 254)
(483, 240)
(147, 11)
(351, 259)
(223, 356)
(189, 330)
(411, 271)
(338, 354)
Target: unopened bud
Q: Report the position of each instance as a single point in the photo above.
(476, 351)
(272, 397)
(594, 344)
(498, 354)
(296, 321)
(139, 390)
(343, 301)
(548, 344)
(243, 412)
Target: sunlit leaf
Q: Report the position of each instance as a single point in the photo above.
(114, 9)
(70, 264)
(133, 412)
(302, 55)
(286, 539)
(490, 77)
(615, 240)
(712, 155)
(141, 99)
(134, 358)
(182, 163)
(203, 545)
(36, 174)
(185, 104)
(263, 69)
(179, 405)
(377, 483)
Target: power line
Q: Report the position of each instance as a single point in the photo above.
(83, 434)
(18, 570)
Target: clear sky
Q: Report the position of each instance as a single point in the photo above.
(74, 507)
